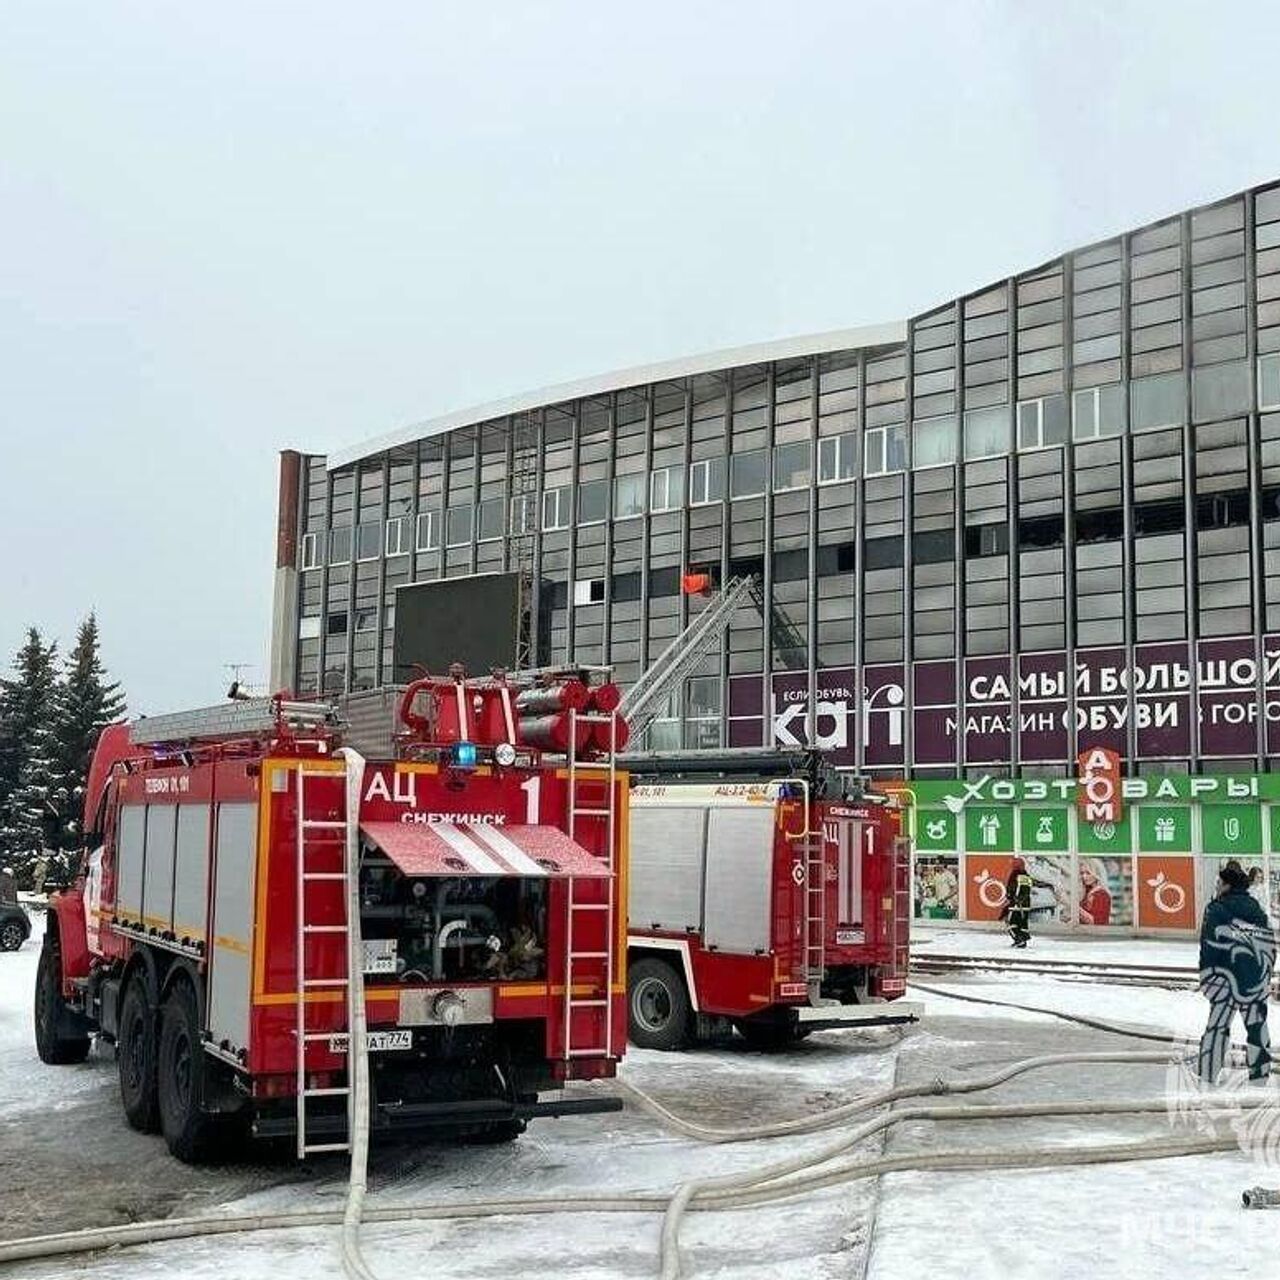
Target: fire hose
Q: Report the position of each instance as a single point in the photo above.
(783, 1180)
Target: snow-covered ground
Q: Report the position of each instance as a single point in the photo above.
(1097, 950)
(1169, 1218)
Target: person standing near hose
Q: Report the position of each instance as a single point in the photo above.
(1017, 902)
(1237, 955)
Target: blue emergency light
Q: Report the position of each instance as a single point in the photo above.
(464, 755)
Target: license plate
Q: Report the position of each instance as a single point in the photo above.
(893, 986)
(849, 937)
(374, 1041)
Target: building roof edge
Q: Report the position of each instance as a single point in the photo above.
(685, 366)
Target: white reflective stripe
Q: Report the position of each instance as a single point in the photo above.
(468, 849)
(509, 851)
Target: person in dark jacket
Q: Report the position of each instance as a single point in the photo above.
(1237, 955)
(1017, 902)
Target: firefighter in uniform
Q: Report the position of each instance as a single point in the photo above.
(1017, 902)
(1237, 956)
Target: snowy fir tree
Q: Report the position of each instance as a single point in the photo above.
(87, 701)
(28, 707)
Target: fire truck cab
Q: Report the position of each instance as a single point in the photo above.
(248, 863)
(768, 893)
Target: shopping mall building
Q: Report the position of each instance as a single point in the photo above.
(1036, 519)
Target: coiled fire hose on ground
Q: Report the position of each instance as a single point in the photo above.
(783, 1180)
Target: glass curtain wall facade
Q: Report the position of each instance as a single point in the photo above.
(1047, 519)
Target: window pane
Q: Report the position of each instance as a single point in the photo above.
(986, 431)
(368, 540)
(1085, 405)
(593, 501)
(340, 545)
(555, 508)
(706, 481)
(491, 519)
(523, 511)
(836, 456)
(628, 496)
(791, 465)
(935, 442)
(748, 474)
(428, 530)
(702, 696)
(398, 536)
(1269, 381)
(457, 526)
(1029, 424)
(1053, 420)
(1220, 391)
(1111, 409)
(1158, 401)
(895, 448)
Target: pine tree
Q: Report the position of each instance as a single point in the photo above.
(28, 703)
(87, 701)
(30, 818)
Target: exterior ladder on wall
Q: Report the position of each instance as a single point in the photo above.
(312, 834)
(522, 543)
(586, 777)
(642, 703)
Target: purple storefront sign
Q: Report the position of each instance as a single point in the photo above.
(988, 707)
(834, 718)
(934, 716)
(1042, 707)
(1162, 700)
(884, 715)
(1271, 691)
(1228, 675)
(1102, 708)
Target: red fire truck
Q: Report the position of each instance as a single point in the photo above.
(241, 856)
(767, 892)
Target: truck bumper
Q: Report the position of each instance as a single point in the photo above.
(421, 1117)
(889, 1013)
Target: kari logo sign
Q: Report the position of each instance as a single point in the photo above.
(1099, 798)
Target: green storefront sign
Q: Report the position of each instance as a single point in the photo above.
(1043, 830)
(1164, 828)
(1211, 788)
(1231, 829)
(936, 829)
(988, 828)
(1113, 838)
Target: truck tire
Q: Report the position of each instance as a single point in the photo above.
(12, 935)
(51, 1013)
(136, 1047)
(190, 1132)
(658, 1010)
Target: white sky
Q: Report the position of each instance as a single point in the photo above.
(228, 229)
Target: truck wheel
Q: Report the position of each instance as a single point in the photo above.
(51, 1012)
(189, 1131)
(12, 935)
(657, 1006)
(136, 1058)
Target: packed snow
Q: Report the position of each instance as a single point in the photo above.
(1173, 1217)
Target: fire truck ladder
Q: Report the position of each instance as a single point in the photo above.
(815, 914)
(312, 833)
(784, 636)
(645, 699)
(586, 777)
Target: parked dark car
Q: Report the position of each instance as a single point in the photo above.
(15, 926)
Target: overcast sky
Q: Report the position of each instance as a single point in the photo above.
(229, 229)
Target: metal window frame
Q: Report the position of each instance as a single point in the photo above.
(450, 544)
(432, 542)
(401, 548)
(309, 552)
(558, 494)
